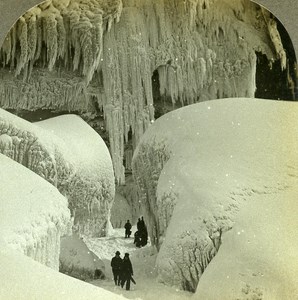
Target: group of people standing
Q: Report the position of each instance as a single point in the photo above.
(122, 270)
(141, 235)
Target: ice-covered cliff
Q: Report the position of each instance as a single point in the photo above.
(102, 55)
(69, 155)
(197, 167)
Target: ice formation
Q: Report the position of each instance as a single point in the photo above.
(120, 212)
(90, 55)
(78, 261)
(34, 215)
(198, 166)
(71, 156)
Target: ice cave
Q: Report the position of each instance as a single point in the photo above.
(183, 112)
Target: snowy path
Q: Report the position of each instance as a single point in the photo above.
(143, 261)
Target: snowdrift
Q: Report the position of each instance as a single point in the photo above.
(70, 155)
(78, 261)
(23, 279)
(33, 214)
(197, 167)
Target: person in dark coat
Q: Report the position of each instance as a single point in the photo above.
(126, 272)
(137, 239)
(142, 224)
(144, 237)
(139, 225)
(116, 265)
(127, 227)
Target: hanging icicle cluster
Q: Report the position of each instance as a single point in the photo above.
(71, 32)
(201, 50)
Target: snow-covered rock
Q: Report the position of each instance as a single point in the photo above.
(197, 166)
(71, 156)
(78, 261)
(33, 214)
(93, 184)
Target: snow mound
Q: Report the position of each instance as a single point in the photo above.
(23, 279)
(258, 257)
(71, 156)
(93, 189)
(196, 167)
(33, 213)
(78, 261)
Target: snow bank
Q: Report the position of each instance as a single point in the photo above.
(258, 258)
(33, 213)
(23, 279)
(79, 165)
(196, 167)
(78, 261)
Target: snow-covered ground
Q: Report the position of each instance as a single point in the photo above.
(143, 260)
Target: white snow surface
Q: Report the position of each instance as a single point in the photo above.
(71, 156)
(77, 260)
(143, 261)
(24, 279)
(198, 166)
(87, 147)
(33, 214)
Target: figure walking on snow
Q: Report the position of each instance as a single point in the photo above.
(116, 265)
(127, 227)
(126, 272)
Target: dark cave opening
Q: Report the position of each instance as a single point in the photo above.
(162, 103)
(272, 82)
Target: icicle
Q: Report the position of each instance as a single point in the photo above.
(275, 38)
(22, 34)
(182, 40)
